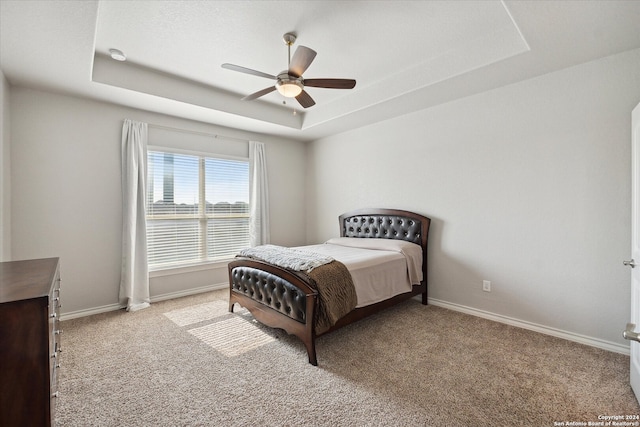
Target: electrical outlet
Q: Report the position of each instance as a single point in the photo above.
(486, 285)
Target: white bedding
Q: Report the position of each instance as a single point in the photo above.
(380, 268)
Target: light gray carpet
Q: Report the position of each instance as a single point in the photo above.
(188, 362)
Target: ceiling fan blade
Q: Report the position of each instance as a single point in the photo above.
(248, 71)
(259, 93)
(331, 83)
(305, 100)
(302, 58)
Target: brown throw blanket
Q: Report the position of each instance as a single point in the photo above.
(336, 293)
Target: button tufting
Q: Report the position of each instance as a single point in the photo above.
(270, 290)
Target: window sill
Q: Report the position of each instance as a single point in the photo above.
(170, 271)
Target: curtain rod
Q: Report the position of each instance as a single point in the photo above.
(214, 135)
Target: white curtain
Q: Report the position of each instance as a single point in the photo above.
(258, 195)
(134, 279)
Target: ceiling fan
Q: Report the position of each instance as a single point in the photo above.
(290, 82)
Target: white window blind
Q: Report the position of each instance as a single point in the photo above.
(198, 208)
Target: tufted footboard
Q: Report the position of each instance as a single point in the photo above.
(270, 290)
(276, 297)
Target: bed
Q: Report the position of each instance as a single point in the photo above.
(296, 301)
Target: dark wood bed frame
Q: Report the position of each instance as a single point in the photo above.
(280, 298)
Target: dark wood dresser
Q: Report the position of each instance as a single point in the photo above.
(29, 341)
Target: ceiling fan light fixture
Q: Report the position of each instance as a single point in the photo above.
(289, 90)
(288, 87)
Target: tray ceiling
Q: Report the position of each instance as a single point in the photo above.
(405, 56)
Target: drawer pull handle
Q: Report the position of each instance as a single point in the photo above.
(54, 355)
(58, 365)
(56, 394)
(53, 316)
(58, 332)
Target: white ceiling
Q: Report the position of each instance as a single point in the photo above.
(405, 55)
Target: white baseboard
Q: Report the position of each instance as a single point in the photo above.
(90, 311)
(582, 339)
(187, 292)
(114, 307)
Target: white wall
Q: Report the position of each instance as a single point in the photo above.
(5, 170)
(65, 163)
(528, 186)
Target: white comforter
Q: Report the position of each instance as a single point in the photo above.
(380, 268)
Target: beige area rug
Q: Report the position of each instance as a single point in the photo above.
(189, 362)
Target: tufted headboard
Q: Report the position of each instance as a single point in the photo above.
(386, 224)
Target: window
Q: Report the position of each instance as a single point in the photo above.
(197, 208)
